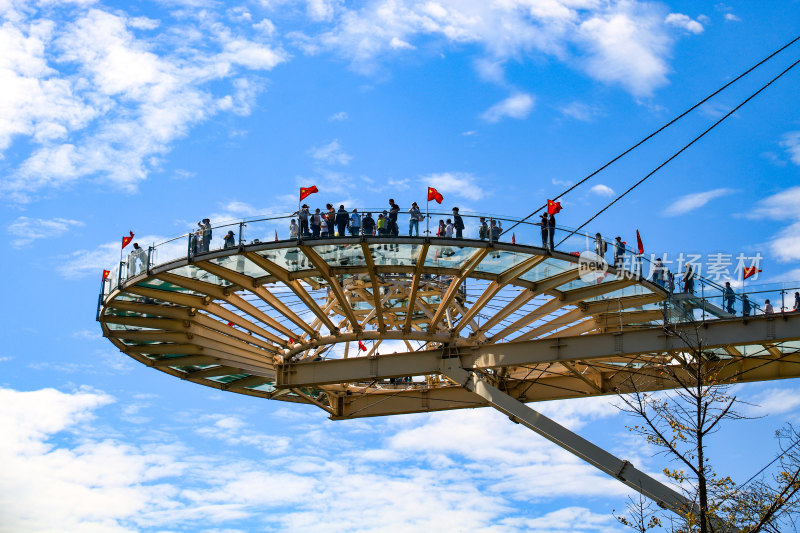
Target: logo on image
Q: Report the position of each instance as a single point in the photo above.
(591, 267)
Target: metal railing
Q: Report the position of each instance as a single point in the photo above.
(703, 302)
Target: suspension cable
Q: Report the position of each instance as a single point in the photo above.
(676, 154)
(659, 130)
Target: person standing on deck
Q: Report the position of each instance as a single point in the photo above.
(551, 231)
(458, 224)
(729, 297)
(369, 224)
(619, 252)
(392, 227)
(342, 219)
(483, 229)
(415, 215)
(206, 225)
(303, 216)
(316, 223)
(355, 223)
(330, 221)
(543, 227)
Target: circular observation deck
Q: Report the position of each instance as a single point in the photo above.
(230, 318)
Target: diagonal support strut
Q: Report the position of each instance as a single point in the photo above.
(573, 443)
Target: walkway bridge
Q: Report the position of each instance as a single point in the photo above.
(368, 325)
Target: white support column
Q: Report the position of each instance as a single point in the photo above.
(558, 434)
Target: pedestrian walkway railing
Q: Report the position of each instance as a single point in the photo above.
(277, 228)
(709, 299)
(705, 301)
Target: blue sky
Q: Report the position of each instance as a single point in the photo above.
(148, 116)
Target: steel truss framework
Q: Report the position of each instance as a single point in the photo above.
(478, 324)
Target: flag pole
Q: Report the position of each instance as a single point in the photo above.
(428, 217)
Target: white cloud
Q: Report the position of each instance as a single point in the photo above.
(446, 472)
(123, 96)
(730, 17)
(235, 210)
(693, 201)
(791, 142)
(321, 10)
(331, 153)
(28, 230)
(786, 243)
(618, 42)
(684, 21)
(399, 44)
(85, 262)
(515, 106)
(459, 184)
(338, 117)
(602, 190)
(774, 402)
(779, 206)
(233, 431)
(784, 205)
(627, 46)
(580, 111)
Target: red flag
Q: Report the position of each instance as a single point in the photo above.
(433, 194)
(276, 235)
(106, 273)
(127, 240)
(749, 271)
(513, 239)
(361, 346)
(576, 254)
(639, 242)
(553, 207)
(307, 191)
(230, 324)
(291, 341)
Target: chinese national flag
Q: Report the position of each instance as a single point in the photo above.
(361, 346)
(127, 240)
(106, 273)
(576, 254)
(307, 191)
(749, 271)
(433, 194)
(513, 239)
(639, 242)
(230, 324)
(553, 207)
(276, 235)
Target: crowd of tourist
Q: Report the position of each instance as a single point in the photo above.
(332, 222)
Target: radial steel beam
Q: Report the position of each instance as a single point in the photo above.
(412, 298)
(325, 271)
(228, 295)
(469, 265)
(204, 304)
(247, 283)
(621, 469)
(376, 287)
(563, 298)
(294, 285)
(539, 287)
(494, 287)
